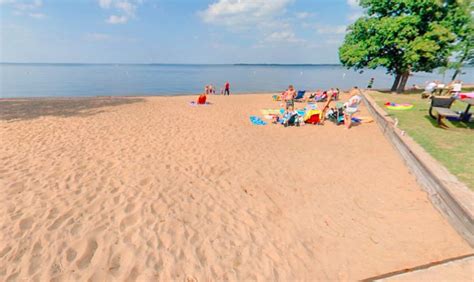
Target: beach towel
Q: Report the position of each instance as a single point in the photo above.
(194, 103)
(270, 111)
(257, 121)
(469, 95)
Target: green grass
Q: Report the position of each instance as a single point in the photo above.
(453, 147)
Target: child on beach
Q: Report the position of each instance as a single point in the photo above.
(289, 97)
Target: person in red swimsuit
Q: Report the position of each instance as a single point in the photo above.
(203, 97)
(227, 88)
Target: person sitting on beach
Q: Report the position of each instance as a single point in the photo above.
(290, 117)
(456, 87)
(351, 106)
(326, 107)
(289, 97)
(318, 93)
(429, 89)
(203, 97)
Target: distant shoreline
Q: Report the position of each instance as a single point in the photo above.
(170, 64)
(184, 64)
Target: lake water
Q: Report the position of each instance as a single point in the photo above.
(61, 80)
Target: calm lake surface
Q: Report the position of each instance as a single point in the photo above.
(80, 80)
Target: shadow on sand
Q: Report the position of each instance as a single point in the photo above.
(27, 109)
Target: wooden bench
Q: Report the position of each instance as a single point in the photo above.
(442, 107)
(444, 112)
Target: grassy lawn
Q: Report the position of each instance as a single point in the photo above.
(453, 147)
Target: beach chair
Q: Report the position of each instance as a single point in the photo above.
(300, 96)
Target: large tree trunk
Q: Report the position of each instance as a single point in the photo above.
(396, 82)
(403, 82)
(456, 72)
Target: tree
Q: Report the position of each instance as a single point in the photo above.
(463, 24)
(403, 36)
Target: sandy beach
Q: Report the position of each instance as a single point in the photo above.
(152, 188)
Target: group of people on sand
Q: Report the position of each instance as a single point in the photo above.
(350, 107)
(209, 89)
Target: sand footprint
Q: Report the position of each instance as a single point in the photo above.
(145, 181)
(5, 251)
(115, 265)
(128, 221)
(59, 221)
(35, 260)
(86, 258)
(130, 207)
(71, 255)
(26, 223)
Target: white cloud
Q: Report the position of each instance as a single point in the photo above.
(353, 3)
(126, 9)
(117, 19)
(283, 36)
(355, 12)
(244, 13)
(29, 5)
(94, 36)
(105, 3)
(25, 8)
(330, 29)
(355, 15)
(37, 15)
(303, 15)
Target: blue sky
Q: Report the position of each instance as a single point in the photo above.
(174, 31)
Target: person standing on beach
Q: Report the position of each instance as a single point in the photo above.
(371, 83)
(227, 88)
(289, 97)
(211, 89)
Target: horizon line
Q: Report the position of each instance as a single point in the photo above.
(210, 64)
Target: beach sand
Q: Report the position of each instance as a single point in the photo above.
(154, 188)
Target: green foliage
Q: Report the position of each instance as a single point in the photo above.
(452, 147)
(462, 22)
(406, 35)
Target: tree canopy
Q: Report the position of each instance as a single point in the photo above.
(406, 36)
